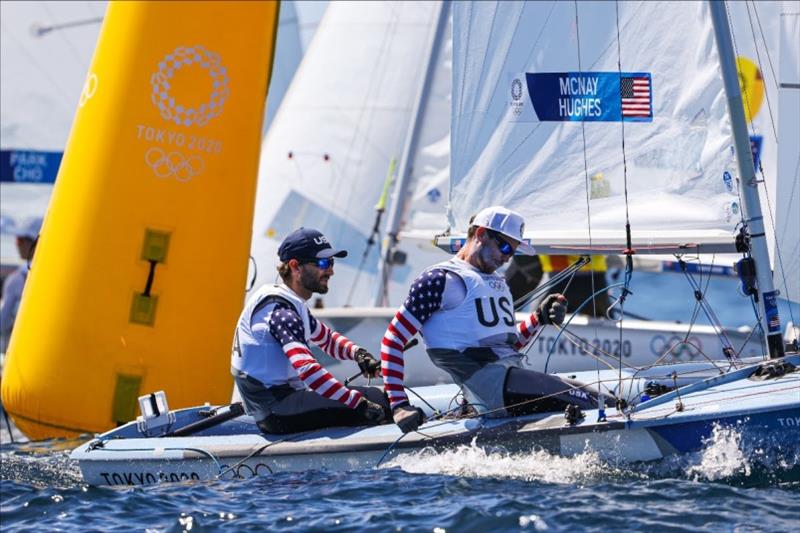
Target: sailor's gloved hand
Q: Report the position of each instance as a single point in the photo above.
(370, 367)
(370, 410)
(552, 310)
(408, 418)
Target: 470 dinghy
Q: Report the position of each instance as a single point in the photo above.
(666, 410)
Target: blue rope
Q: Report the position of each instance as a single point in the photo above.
(585, 302)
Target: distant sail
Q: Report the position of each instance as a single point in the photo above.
(344, 119)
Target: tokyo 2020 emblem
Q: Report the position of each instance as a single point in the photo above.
(162, 82)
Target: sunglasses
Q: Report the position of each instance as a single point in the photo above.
(506, 248)
(322, 264)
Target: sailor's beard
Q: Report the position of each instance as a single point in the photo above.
(312, 281)
(488, 261)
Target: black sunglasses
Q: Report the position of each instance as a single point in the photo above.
(323, 264)
(506, 248)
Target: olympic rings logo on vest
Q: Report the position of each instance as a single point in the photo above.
(497, 284)
(173, 164)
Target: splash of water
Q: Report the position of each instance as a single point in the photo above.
(723, 456)
(479, 462)
(39, 469)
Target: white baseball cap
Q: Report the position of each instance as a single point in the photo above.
(505, 221)
(30, 228)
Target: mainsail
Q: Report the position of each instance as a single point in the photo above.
(586, 114)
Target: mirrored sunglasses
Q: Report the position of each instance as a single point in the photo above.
(323, 264)
(506, 248)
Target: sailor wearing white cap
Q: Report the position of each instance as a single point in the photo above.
(465, 313)
(15, 282)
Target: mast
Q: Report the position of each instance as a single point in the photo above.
(410, 148)
(770, 319)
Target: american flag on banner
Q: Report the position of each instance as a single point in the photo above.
(636, 96)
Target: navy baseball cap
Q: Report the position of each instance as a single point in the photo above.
(307, 243)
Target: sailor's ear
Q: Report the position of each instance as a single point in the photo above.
(294, 263)
(480, 232)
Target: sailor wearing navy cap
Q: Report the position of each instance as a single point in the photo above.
(281, 384)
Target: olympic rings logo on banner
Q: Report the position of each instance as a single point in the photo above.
(161, 82)
(676, 346)
(89, 88)
(173, 164)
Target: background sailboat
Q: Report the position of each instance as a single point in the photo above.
(343, 121)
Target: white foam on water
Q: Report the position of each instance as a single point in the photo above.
(533, 521)
(476, 461)
(722, 456)
(40, 467)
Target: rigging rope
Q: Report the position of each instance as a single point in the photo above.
(629, 250)
(564, 327)
(758, 58)
(586, 182)
(541, 290)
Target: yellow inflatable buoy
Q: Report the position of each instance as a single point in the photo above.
(140, 270)
(751, 83)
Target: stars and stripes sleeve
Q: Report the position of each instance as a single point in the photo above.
(424, 297)
(287, 328)
(332, 343)
(525, 331)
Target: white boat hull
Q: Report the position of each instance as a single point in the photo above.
(767, 410)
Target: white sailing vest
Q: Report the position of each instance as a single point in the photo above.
(257, 353)
(484, 319)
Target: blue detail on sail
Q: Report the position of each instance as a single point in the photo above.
(756, 141)
(591, 96)
(29, 166)
(434, 195)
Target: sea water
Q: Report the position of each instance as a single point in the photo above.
(730, 485)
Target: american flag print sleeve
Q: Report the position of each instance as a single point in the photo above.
(525, 331)
(424, 298)
(287, 328)
(332, 343)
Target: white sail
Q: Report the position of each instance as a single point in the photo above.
(325, 158)
(678, 157)
(787, 268)
(288, 53)
(430, 167)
